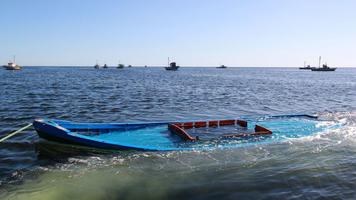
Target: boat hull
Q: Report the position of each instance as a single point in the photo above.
(12, 68)
(171, 68)
(61, 136)
(323, 69)
(156, 136)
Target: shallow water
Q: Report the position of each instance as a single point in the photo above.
(318, 166)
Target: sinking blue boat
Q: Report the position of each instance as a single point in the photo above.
(184, 135)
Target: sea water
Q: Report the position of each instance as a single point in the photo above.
(311, 167)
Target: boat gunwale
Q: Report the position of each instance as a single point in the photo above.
(182, 121)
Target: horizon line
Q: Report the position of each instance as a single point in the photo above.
(157, 66)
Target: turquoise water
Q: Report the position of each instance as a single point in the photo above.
(160, 137)
(147, 137)
(294, 166)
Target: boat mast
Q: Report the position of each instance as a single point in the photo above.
(319, 60)
(304, 63)
(168, 61)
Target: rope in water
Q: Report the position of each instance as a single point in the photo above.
(14, 133)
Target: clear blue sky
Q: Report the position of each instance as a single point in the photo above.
(191, 32)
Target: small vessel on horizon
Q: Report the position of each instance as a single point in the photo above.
(96, 66)
(106, 66)
(12, 66)
(325, 67)
(221, 67)
(172, 66)
(120, 66)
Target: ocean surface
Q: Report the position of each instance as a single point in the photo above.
(321, 166)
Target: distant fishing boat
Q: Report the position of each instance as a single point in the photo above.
(96, 66)
(325, 67)
(120, 66)
(12, 66)
(172, 66)
(305, 67)
(221, 67)
(106, 66)
(130, 65)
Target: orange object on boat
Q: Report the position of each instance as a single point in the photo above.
(200, 124)
(180, 132)
(188, 125)
(227, 122)
(178, 124)
(178, 128)
(259, 130)
(213, 123)
(242, 123)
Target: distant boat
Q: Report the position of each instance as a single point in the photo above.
(145, 65)
(120, 66)
(305, 67)
(106, 66)
(325, 67)
(172, 66)
(97, 66)
(130, 65)
(12, 66)
(222, 67)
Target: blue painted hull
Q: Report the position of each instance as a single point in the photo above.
(156, 136)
